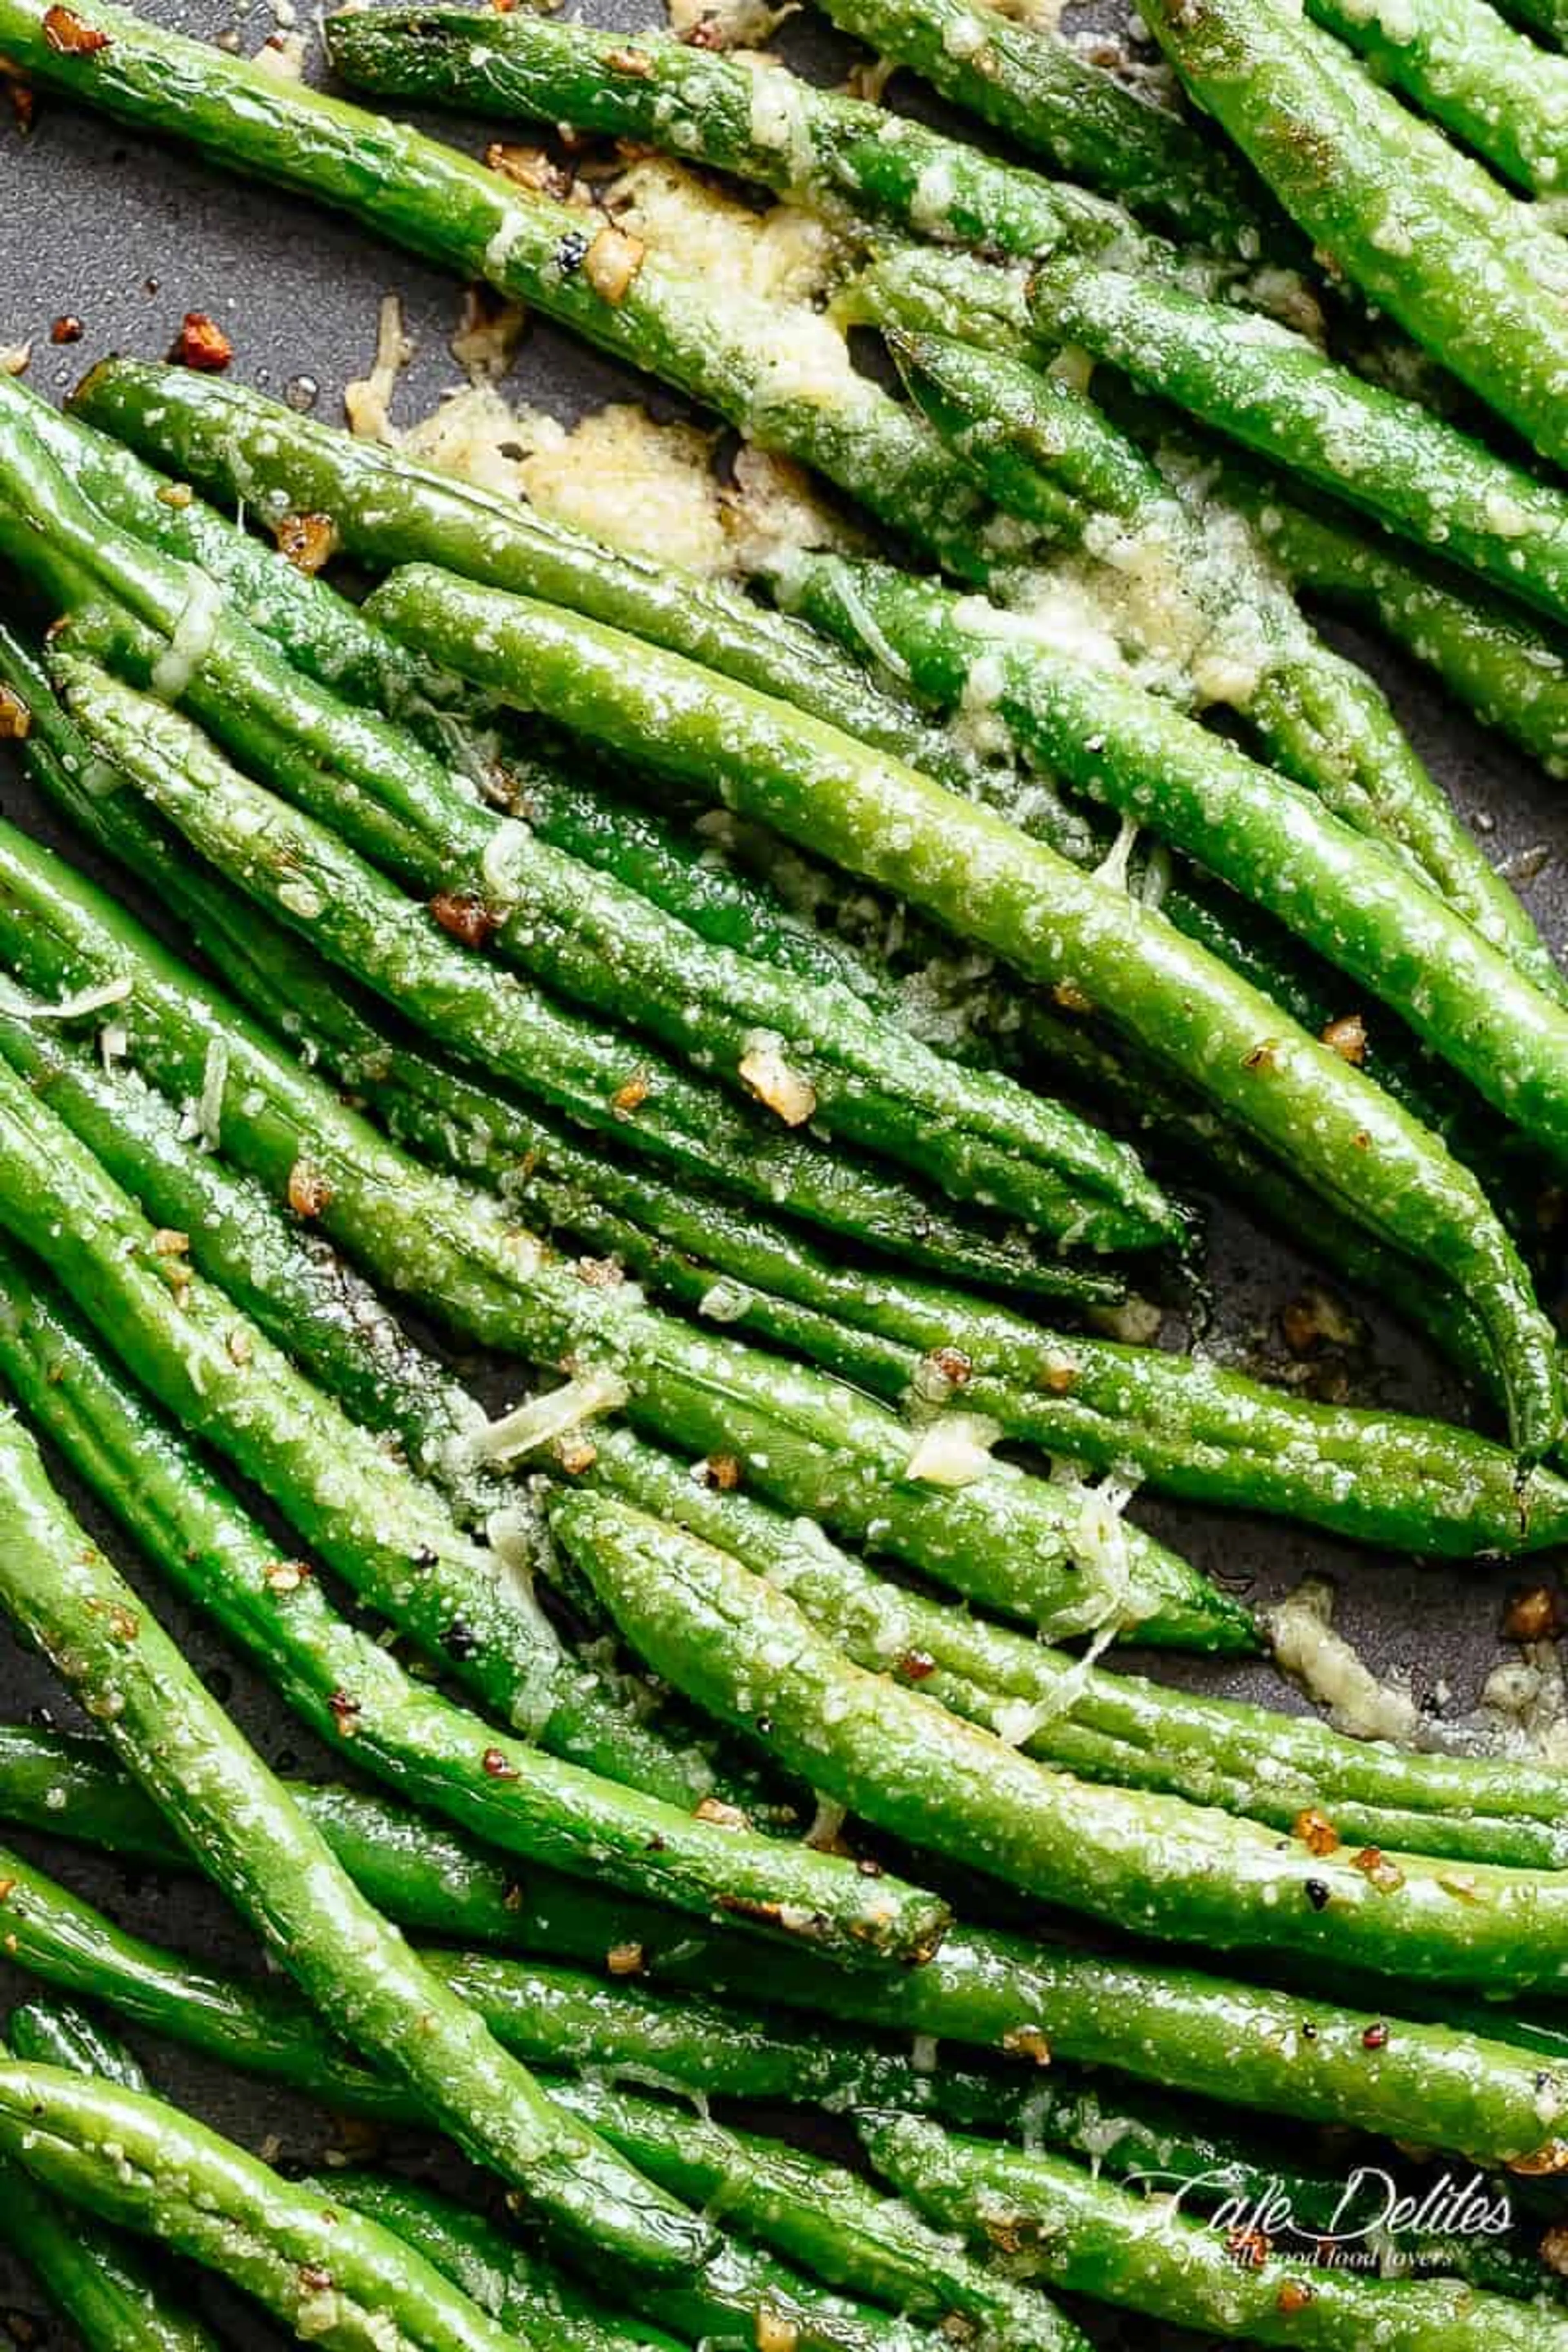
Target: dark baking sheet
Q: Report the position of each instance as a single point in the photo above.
(127, 235)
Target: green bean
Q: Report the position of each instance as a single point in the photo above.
(744, 1651)
(326, 2275)
(812, 145)
(979, 1137)
(55, 2033)
(1278, 2052)
(323, 634)
(822, 2216)
(392, 1537)
(366, 799)
(1032, 86)
(362, 1701)
(118, 1662)
(1258, 383)
(1188, 1425)
(1490, 652)
(1091, 1398)
(1117, 1726)
(542, 911)
(812, 1445)
(501, 2277)
(1354, 900)
(991, 884)
(1078, 2232)
(261, 2028)
(1193, 591)
(1425, 234)
(241, 448)
(1464, 65)
(556, 2018)
(793, 390)
(97, 2283)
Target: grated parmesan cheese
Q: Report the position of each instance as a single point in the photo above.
(545, 1418)
(728, 23)
(192, 642)
(65, 1008)
(1331, 1672)
(210, 1104)
(786, 1091)
(953, 1450)
(367, 404)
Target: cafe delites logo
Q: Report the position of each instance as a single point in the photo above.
(1376, 2223)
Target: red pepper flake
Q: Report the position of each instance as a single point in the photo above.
(1028, 2042)
(1534, 1616)
(1317, 1832)
(916, 1665)
(16, 718)
(309, 541)
(496, 1767)
(721, 1471)
(1293, 2296)
(1375, 2038)
(952, 1364)
(201, 343)
(345, 1712)
(314, 2279)
(464, 913)
(1347, 1038)
(626, 1960)
(309, 1191)
(123, 1623)
(1248, 2248)
(1375, 1866)
(632, 1095)
(7, 1888)
(69, 38)
(66, 330)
